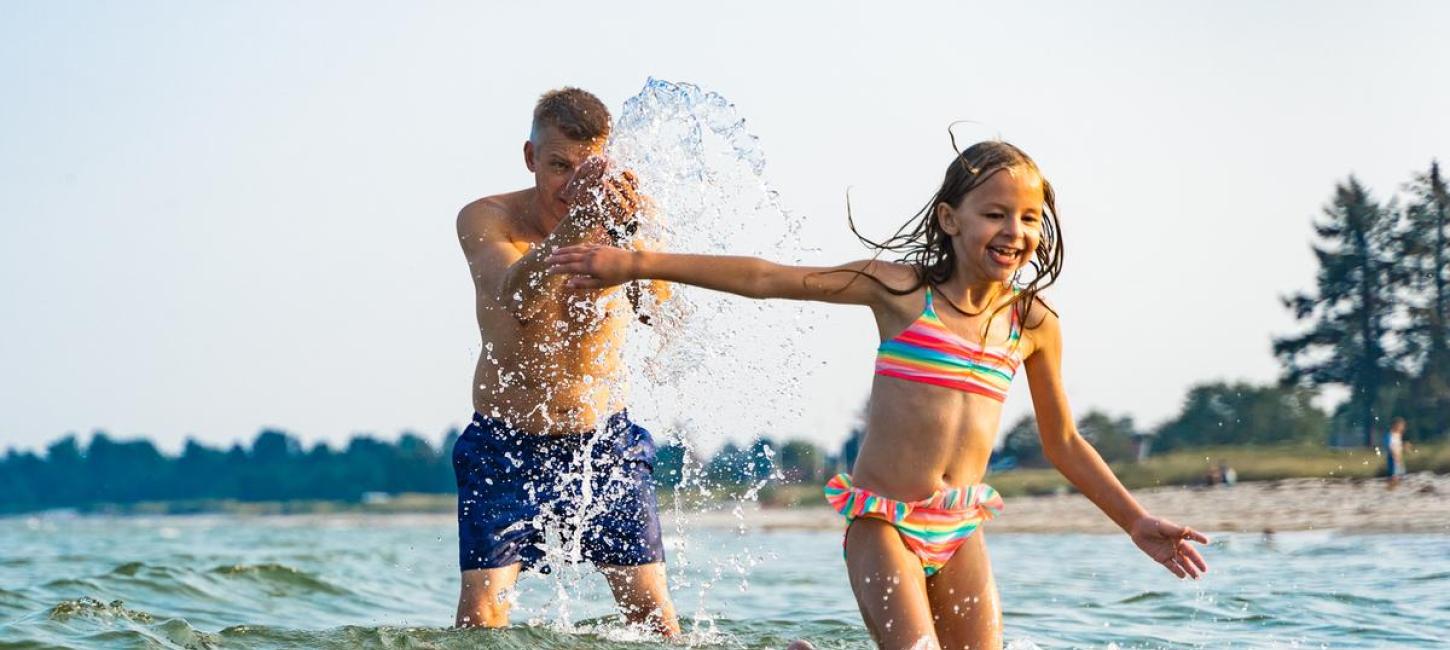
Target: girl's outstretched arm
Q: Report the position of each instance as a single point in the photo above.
(1163, 540)
(593, 267)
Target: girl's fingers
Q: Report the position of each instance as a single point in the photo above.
(1174, 568)
(565, 258)
(1188, 568)
(1195, 557)
(1189, 533)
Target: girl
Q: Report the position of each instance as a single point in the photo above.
(956, 320)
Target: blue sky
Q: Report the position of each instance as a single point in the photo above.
(221, 216)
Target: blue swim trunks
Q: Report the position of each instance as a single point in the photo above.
(521, 493)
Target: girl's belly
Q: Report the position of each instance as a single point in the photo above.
(921, 438)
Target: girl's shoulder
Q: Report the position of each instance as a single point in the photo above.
(893, 276)
(1040, 327)
(1038, 313)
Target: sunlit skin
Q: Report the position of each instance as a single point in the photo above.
(550, 353)
(922, 438)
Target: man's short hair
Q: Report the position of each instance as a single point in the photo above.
(578, 114)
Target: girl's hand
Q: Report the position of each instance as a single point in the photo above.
(1167, 543)
(592, 266)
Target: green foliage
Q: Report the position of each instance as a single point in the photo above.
(1023, 443)
(1424, 251)
(1220, 413)
(275, 468)
(730, 465)
(1111, 437)
(1349, 314)
(801, 462)
(670, 464)
(1252, 463)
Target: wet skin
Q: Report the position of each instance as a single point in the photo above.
(922, 438)
(551, 354)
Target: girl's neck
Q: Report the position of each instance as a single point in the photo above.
(972, 297)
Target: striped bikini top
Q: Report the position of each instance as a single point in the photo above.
(930, 353)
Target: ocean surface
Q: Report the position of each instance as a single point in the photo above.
(391, 582)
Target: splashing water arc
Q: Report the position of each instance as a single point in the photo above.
(715, 367)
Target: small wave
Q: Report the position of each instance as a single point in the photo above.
(12, 603)
(173, 633)
(279, 575)
(1338, 597)
(82, 584)
(142, 569)
(88, 607)
(352, 636)
(1146, 596)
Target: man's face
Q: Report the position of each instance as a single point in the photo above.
(553, 157)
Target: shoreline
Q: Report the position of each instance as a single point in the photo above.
(1421, 504)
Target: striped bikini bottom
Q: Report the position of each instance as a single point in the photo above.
(933, 528)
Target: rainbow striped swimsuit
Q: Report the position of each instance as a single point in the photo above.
(928, 352)
(933, 528)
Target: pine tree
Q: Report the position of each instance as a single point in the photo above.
(1350, 315)
(1425, 261)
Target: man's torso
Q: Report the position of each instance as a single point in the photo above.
(556, 371)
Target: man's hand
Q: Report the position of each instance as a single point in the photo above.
(594, 267)
(1167, 543)
(599, 191)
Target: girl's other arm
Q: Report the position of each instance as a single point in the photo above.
(1163, 540)
(594, 267)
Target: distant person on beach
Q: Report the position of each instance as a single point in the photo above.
(956, 320)
(546, 415)
(1395, 452)
(1230, 476)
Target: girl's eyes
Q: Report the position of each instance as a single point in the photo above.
(996, 215)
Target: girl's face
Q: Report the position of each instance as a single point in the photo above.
(996, 226)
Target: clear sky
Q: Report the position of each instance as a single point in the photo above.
(220, 216)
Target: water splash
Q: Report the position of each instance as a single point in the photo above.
(715, 367)
(712, 368)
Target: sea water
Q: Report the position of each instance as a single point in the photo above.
(351, 581)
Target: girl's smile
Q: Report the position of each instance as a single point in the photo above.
(996, 226)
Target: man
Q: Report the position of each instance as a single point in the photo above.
(551, 452)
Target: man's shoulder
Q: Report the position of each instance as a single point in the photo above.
(491, 217)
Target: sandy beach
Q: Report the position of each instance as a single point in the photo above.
(1419, 505)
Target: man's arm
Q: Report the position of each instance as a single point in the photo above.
(516, 276)
(490, 251)
(525, 283)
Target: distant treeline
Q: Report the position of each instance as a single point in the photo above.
(276, 466)
(1378, 319)
(1377, 324)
